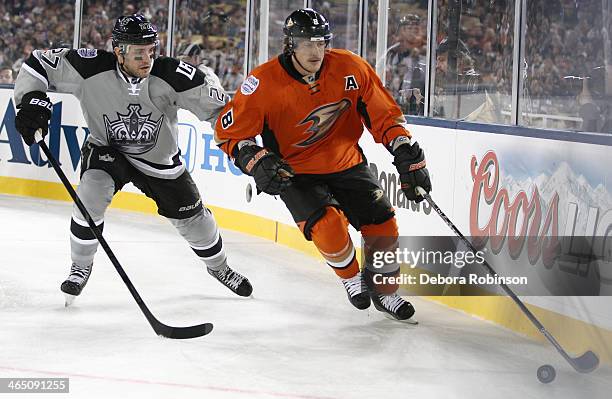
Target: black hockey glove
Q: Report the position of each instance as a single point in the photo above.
(272, 174)
(410, 163)
(34, 113)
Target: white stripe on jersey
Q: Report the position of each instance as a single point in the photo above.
(37, 75)
(143, 166)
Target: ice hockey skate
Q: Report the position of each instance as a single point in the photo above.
(235, 281)
(75, 282)
(357, 291)
(394, 307)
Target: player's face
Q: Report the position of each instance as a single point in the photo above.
(138, 59)
(310, 54)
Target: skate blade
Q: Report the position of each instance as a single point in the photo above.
(69, 299)
(411, 321)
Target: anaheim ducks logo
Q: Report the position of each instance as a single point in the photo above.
(323, 119)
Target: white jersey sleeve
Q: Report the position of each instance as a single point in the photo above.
(61, 69)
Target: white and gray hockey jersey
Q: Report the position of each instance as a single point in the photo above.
(138, 117)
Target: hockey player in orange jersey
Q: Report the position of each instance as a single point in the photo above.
(310, 105)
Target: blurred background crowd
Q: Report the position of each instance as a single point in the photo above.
(215, 28)
(565, 72)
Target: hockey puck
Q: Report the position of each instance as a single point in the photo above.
(546, 374)
(249, 192)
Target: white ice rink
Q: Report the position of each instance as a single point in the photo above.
(297, 337)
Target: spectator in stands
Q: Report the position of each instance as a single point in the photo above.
(455, 77)
(406, 63)
(6, 75)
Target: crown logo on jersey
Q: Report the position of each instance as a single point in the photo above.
(323, 119)
(133, 133)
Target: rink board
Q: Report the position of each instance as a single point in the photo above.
(471, 172)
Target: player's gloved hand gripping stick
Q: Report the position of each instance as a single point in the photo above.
(409, 159)
(272, 174)
(159, 328)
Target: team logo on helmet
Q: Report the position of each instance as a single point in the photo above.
(133, 133)
(323, 119)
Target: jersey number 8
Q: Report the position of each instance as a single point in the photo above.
(227, 119)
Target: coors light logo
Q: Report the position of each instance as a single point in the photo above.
(535, 214)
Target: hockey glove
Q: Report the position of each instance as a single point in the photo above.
(34, 113)
(272, 174)
(410, 163)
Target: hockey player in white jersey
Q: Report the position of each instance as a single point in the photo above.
(130, 100)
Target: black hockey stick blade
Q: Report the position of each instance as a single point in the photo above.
(183, 332)
(585, 363)
(159, 327)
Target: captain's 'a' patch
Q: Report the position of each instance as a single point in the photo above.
(350, 83)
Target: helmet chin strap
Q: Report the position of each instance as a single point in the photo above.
(122, 51)
(301, 66)
(122, 67)
(298, 61)
(126, 72)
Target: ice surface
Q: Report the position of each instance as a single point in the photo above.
(298, 337)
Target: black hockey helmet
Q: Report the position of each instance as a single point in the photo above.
(306, 23)
(134, 29)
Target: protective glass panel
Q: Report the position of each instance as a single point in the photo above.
(274, 15)
(567, 68)
(211, 35)
(372, 30)
(343, 17)
(473, 61)
(406, 54)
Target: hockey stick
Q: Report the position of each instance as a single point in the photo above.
(584, 363)
(159, 327)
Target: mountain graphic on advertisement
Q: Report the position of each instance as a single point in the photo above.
(571, 188)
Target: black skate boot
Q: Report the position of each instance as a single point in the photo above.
(394, 306)
(233, 280)
(357, 291)
(75, 282)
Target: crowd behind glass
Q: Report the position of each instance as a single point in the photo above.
(565, 72)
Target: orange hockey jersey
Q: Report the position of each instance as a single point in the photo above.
(313, 126)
